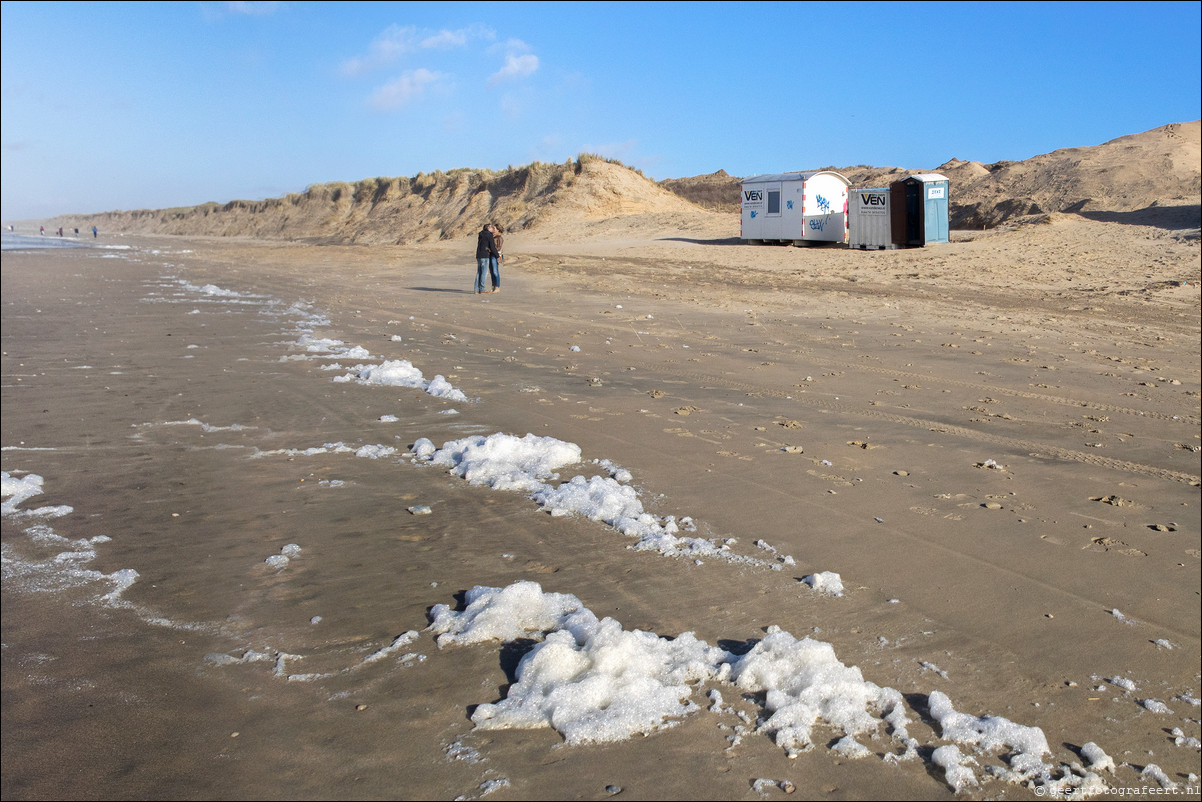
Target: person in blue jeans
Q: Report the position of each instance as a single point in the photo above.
(494, 264)
(486, 256)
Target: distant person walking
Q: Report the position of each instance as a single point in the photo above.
(494, 264)
(94, 232)
(486, 252)
(42, 230)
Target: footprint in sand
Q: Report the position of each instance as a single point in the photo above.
(1113, 544)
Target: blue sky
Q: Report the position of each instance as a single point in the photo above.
(151, 105)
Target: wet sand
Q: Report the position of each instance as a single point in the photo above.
(994, 460)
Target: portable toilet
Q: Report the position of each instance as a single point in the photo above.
(868, 221)
(794, 207)
(920, 209)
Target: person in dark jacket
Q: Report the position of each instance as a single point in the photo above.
(494, 264)
(486, 251)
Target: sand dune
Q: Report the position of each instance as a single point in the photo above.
(428, 207)
(1155, 168)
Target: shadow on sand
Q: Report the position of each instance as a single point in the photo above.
(1171, 218)
(441, 289)
(726, 241)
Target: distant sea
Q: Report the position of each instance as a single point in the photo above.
(28, 242)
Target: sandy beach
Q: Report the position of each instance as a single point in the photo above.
(226, 585)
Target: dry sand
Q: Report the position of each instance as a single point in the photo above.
(839, 405)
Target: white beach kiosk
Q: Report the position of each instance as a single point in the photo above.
(795, 207)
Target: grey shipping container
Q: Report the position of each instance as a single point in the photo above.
(870, 227)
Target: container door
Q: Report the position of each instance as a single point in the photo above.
(935, 212)
(897, 213)
(914, 209)
(824, 213)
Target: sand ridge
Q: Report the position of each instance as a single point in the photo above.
(1121, 177)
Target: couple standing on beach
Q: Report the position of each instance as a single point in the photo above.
(488, 257)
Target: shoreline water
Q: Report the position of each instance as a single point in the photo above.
(28, 242)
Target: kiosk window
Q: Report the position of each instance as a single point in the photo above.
(773, 201)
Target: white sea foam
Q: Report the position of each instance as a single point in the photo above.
(955, 767)
(1155, 706)
(591, 680)
(986, 732)
(401, 373)
(1098, 759)
(805, 683)
(827, 582)
(53, 563)
(530, 465)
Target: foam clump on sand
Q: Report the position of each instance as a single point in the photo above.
(607, 500)
(402, 373)
(286, 555)
(827, 582)
(1157, 775)
(596, 682)
(331, 347)
(986, 732)
(390, 373)
(805, 683)
(521, 610)
(1122, 682)
(589, 679)
(1155, 706)
(1098, 759)
(502, 461)
(593, 681)
(19, 490)
(529, 464)
(955, 767)
(1024, 747)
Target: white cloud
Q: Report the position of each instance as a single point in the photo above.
(399, 40)
(446, 40)
(519, 61)
(217, 12)
(516, 66)
(385, 49)
(409, 87)
(254, 9)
